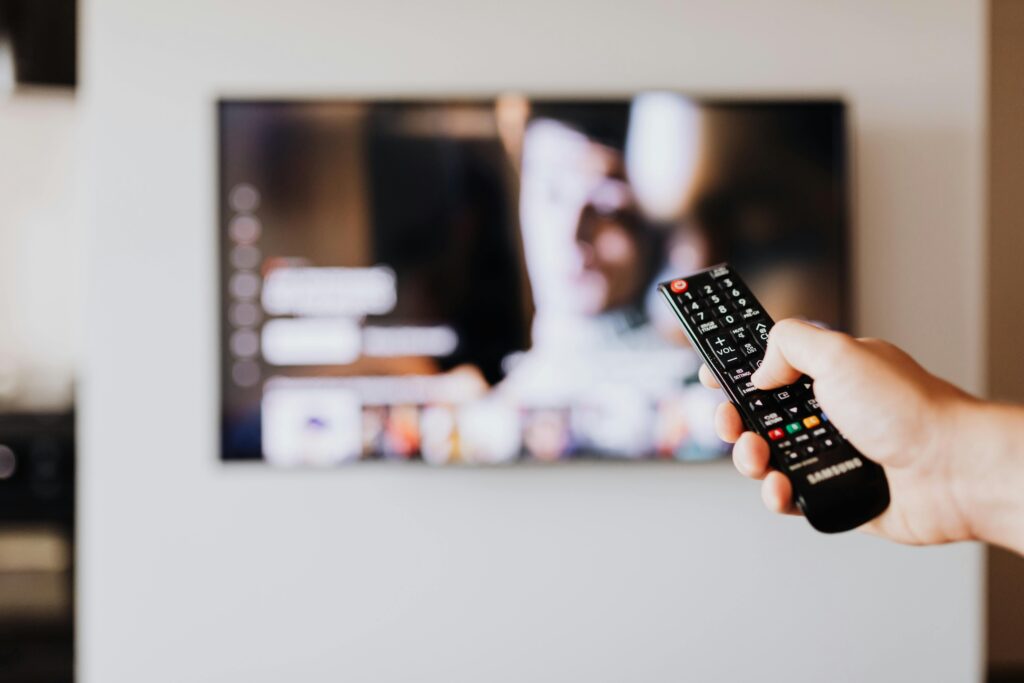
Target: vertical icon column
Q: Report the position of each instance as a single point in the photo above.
(244, 284)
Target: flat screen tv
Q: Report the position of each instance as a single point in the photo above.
(472, 281)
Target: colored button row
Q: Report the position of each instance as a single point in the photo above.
(794, 427)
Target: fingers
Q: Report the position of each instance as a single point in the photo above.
(777, 494)
(728, 423)
(707, 378)
(750, 456)
(795, 348)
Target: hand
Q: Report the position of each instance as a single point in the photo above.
(889, 407)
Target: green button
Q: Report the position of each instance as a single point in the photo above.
(794, 427)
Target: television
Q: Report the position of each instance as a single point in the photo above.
(473, 280)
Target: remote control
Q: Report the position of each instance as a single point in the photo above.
(834, 485)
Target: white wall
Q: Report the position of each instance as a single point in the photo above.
(193, 571)
(40, 248)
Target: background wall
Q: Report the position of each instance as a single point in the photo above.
(40, 248)
(194, 571)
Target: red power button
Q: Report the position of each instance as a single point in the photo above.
(678, 286)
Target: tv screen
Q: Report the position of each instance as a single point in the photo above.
(473, 281)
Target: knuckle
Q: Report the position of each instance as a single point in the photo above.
(782, 328)
(836, 348)
(880, 344)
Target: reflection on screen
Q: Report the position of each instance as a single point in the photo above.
(473, 282)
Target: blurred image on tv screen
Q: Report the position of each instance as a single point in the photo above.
(474, 281)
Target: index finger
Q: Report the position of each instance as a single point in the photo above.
(796, 348)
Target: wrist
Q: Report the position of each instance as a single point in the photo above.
(985, 456)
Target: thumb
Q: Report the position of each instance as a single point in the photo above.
(796, 348)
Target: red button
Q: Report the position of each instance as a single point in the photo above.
(678, 286)
(776, 434)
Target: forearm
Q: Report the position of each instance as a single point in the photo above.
(988, 483)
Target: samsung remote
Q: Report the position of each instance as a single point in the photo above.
(834, 485)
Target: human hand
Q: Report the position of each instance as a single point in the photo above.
(889, 407)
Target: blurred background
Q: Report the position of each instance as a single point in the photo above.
(263, 266)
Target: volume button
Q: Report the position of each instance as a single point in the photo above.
(710, 353)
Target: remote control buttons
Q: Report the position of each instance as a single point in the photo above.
(740, 334)
(739, 375)
(708, 327)
(735, 293)
(783, 395)
(745, 341)
(760, 331)
(724, 349)
(747, 388)
(700, 316)
(730, 329)
(749, 349)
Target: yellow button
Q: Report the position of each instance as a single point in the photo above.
(811, 422)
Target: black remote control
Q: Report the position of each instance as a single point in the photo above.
(834, 485)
